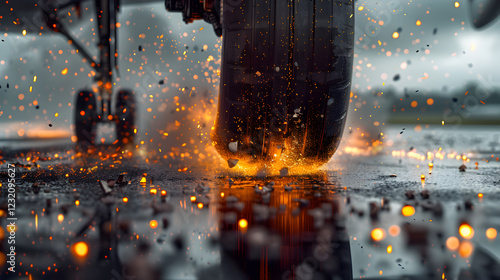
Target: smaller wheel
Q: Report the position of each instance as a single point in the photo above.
(85, 119)
(125, 110)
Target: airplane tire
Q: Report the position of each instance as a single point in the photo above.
(286, 68)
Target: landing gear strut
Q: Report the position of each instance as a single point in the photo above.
(88, 113)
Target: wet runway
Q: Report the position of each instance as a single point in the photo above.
(401, 211)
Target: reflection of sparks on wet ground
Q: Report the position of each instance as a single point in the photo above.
(409, 216)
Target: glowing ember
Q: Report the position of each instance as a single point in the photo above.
(81, 249)
(200, 205)
(452, 243)
(125, 199)
(408, 211)
(153, 224)
(491, 233)
(394, 230)
(243, 223)
(466, 249)
(466, 231)
(193, 198)
(389, 249)
(378, 234)
(457, 4)
(60, 218)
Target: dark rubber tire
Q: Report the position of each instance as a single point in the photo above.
(125, 111)
(285, 80)
(85, 119)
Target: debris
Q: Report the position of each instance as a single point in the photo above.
(233, 147)
(105, 188)
(284, 172)
(232, 162)
(288, 189)
(393, 175)
(462, 168)
(111, 183)
(121, 180)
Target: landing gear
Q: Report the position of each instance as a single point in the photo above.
(85, 120)
(125, 117)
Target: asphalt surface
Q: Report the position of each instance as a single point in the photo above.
(368, 213)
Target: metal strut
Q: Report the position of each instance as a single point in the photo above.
(106, 13)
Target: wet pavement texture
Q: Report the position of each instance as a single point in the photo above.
(407, 210)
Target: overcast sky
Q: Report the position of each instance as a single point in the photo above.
(455, 54)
